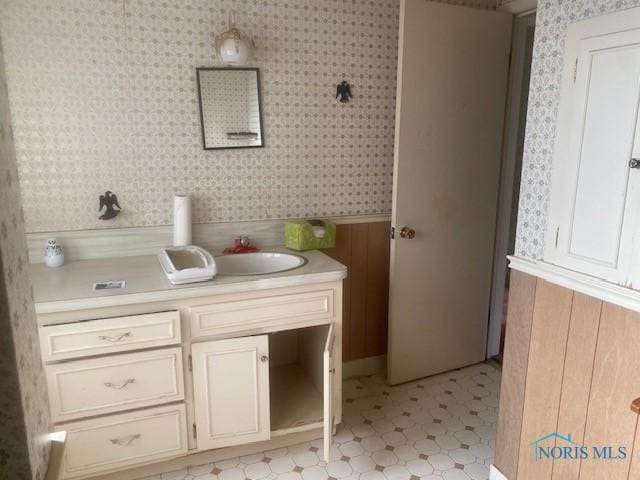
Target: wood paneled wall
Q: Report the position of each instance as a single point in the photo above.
(364, 249)
(572, 366)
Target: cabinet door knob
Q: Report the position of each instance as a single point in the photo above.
(407, 233)
(635, 406)
(264, 358)
(634, 163)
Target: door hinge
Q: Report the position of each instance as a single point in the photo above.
(195, 431)
(190, 361)
(557, 236)
(393, 233)
(575, 70)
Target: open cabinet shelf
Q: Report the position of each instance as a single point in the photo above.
(295, 400)
(247, 389)
(296, 378)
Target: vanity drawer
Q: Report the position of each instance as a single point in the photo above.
(120, 441)
(97, 337)
(241, 315)
(96, 386)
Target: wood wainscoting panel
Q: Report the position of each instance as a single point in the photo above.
(549, 331)
(576, 381)
(377, 311)
(364, 249)
(570, 367)
(359, 283)
(522, 293)
(615, 384)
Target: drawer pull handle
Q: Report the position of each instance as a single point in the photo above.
(115, 339)
(121, 386)
(635, 406)
(125, 442)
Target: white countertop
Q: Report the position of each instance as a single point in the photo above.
(70, 287)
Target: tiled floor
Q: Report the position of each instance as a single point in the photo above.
(442, 427)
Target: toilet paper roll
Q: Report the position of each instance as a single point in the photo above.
(181, 220)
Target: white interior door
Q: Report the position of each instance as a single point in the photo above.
(452, 84)
(231, 391)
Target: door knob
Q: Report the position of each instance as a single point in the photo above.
(407, 233)
(634, 163)
(264, 358)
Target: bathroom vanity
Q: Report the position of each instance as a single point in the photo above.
(155, 373)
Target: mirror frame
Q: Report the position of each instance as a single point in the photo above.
(260, 116)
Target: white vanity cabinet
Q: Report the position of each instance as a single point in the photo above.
(595, 200)
(161, 375)
(251, 388)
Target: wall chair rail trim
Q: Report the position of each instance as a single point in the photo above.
(620, 295)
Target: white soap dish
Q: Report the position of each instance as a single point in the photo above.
(187, 264)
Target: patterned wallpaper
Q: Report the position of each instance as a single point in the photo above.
(551, 28)
(24, 408)
(103, 94)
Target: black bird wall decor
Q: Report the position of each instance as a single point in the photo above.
(344, 92)
(108, 201)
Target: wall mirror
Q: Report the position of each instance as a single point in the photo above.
(230, 108)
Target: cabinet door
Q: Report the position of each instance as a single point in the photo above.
(231, 391)
(595, 198)
(329, 380)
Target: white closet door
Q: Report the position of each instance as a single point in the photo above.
(595, 198)
(231, 391)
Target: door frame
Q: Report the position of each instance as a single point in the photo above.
(507, 179)
(519, 7)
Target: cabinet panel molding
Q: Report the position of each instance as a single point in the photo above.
(96, 386)
(244, 314)
(231, 391)
(118, 441)
(595, 198)
(110, 335)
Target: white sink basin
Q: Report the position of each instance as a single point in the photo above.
(259, 263)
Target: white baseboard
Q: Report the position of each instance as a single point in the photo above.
(364, 367)
(495, 474)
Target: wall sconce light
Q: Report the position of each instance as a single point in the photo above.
(232, 46)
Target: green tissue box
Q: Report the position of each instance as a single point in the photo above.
(309, 234)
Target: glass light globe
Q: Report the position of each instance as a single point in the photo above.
(234, 51)
(232, 46)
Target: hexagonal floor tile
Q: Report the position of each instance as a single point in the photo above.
(438, 428)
